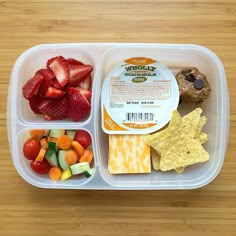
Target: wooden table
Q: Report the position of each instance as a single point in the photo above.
(26, 210)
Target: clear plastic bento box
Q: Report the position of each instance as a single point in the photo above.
(103, 56)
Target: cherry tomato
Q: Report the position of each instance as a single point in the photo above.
(83, 137)
(40, 167)
(31, 149)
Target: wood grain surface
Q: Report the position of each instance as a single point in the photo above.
(27, 210)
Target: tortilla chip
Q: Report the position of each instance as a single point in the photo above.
(183, 153)
(179, 145)
(155, 159)
(202, 138)
(161, 140)
(179, 170)
(191, 122)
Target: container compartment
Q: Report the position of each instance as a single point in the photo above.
(33, 60)
(23, 167)
(215, 108)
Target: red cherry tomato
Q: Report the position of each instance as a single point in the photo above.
(83, 137)
(31, 149)
(40, 167)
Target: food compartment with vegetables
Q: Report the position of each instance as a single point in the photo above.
(58, 156)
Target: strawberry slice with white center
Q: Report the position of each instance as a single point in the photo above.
(85, 92)
(59, 67)
(56, 109)
(56, 84)
(78, 106)
(32, 86)
(54, 93)
(78, 73)
(86, 83)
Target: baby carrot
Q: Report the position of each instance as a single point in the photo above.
(41, 155)
(64, 142)
(37, 133)
(71, 157)
(44, 143)
(55, 173)
(87, 156)
(78, 148)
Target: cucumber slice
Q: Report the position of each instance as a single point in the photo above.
(52, 146)
(79, 168)
(51, 158)
(56, 133)
(61, 160)
(89, 173)
(66, 174)
(71, 134)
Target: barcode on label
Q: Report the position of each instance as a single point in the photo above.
(139, 117)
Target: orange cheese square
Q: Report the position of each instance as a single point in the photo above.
(128, 154)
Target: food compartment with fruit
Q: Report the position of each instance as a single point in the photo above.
(57, 155)
(55, 86)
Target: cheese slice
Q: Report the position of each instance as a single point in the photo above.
(128, 154)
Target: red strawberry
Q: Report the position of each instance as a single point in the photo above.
(78, 73)
(59, 66)
(31, 87)
(78, 105)
(86, 83)
(44, 86)
(46, 117)
(34, 103)
(46, 73)
(55, 109)
(54, 93)
(73, 61)
(85, 92)
(56, 84)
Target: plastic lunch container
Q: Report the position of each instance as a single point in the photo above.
(103, 56)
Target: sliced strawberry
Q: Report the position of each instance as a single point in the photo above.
(54, 93)
(44, 86)
(78, 105)
(60, 68)
(56, 84)
(78, 73)
(46, 117)
(85, 92)
(34, 103)
(46, 73)
(73, 61)
(31, 87)
(56, 109)
(86, 83)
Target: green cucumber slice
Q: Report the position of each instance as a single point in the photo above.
(89, 173)
(51, 157)
(52, 146)
(61, 160)
(56, 133)
(79, 168)
(71, 134)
